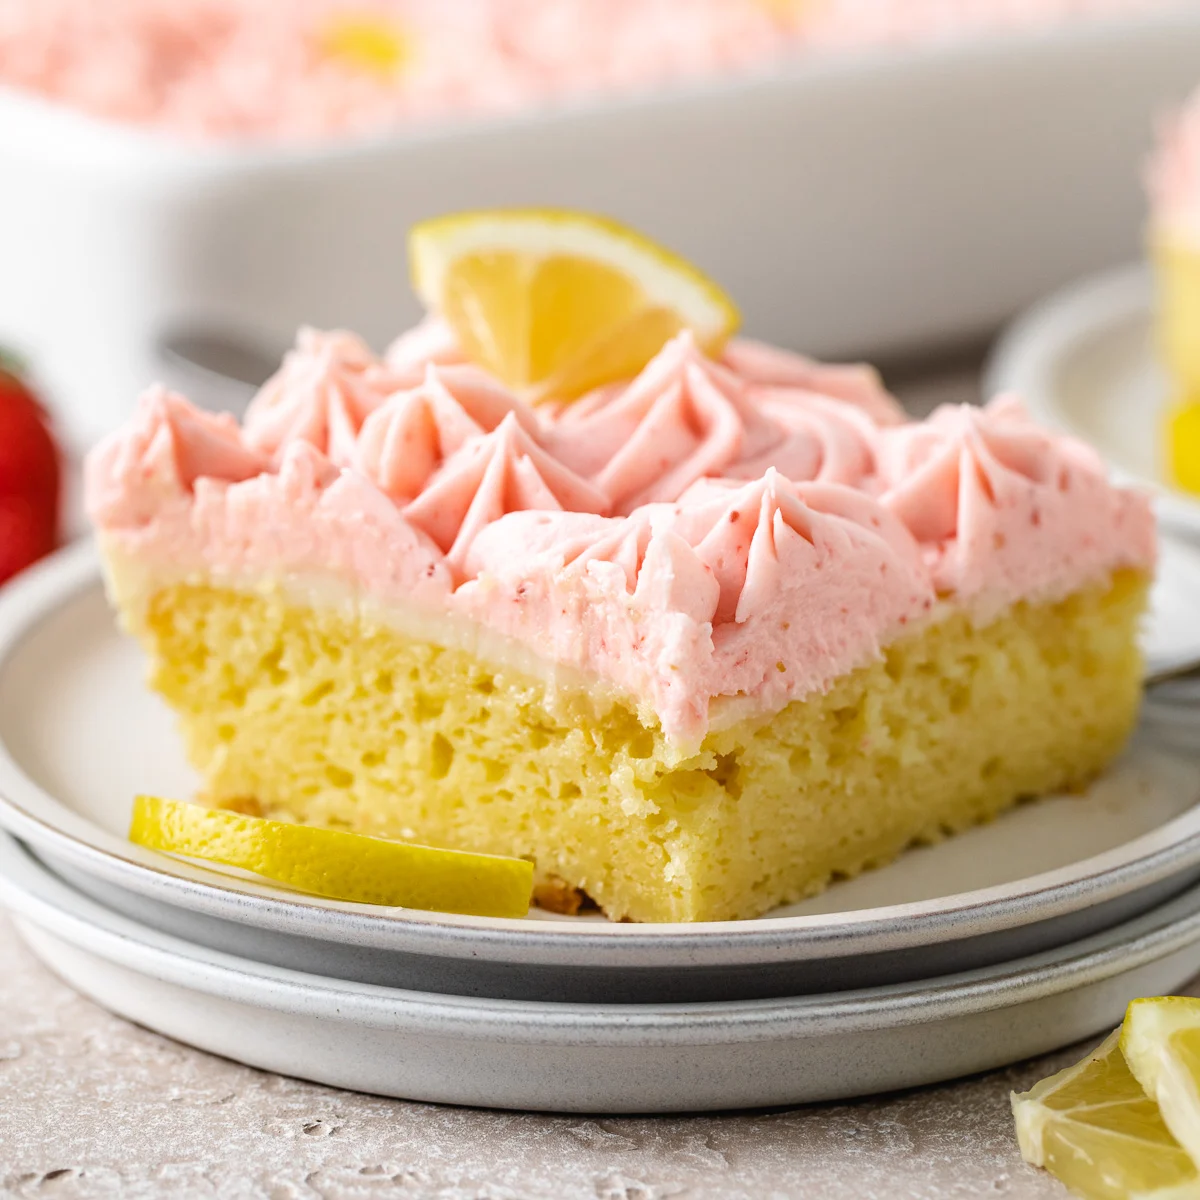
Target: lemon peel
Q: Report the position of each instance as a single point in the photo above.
(337, 864)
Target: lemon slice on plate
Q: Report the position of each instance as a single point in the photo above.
(339, 865)
(1095, 1129)
(556, 303)
(1161, 1042)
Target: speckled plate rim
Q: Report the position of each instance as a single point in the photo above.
(54, 830)
(1027, 357)
(33, 893)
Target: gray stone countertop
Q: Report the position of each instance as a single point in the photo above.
(93, 1106)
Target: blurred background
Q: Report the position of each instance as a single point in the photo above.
(187, 181)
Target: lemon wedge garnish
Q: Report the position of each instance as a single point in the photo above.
(1161, 1043)
(366, 42)
(339, 865)
(555, 303)
(1094, 1128)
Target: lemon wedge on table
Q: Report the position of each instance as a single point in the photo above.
(1093, 1127)
(335, 864)
(1161, 1043)
(555, 303)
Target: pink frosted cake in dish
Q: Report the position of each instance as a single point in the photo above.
(696, 644)
(318, 68)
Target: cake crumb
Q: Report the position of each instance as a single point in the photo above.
(556, 896)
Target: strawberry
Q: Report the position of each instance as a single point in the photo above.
(30, 476)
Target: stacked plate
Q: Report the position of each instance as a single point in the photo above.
(1004, 942)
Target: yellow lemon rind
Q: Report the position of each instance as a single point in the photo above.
(1093, 1127)
(336, 864)
(668, 279)
(1150, 1038)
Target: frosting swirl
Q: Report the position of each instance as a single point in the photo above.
(682, 418)
(406, 438)
(760, 538)
(852, 383)
(685, 417)
(166, 447)
(429, 343)
(1004, 508)
(324, 391)
(818, 439)
(502, 472)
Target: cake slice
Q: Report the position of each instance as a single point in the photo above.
(696, 644)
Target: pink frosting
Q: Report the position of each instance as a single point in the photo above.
(854, 383)
(322, 394)
(299, 515)
(505, 471)
(751, 528)
(430, 342)
(685, 417)
(406, 438)
(1005, 509)
(682, 418)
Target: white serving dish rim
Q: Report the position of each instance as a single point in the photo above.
(28, 811)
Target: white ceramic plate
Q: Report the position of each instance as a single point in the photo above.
(595, 1057)
(80, 735)
(1084, 361)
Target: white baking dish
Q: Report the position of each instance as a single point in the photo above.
(860, 205)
